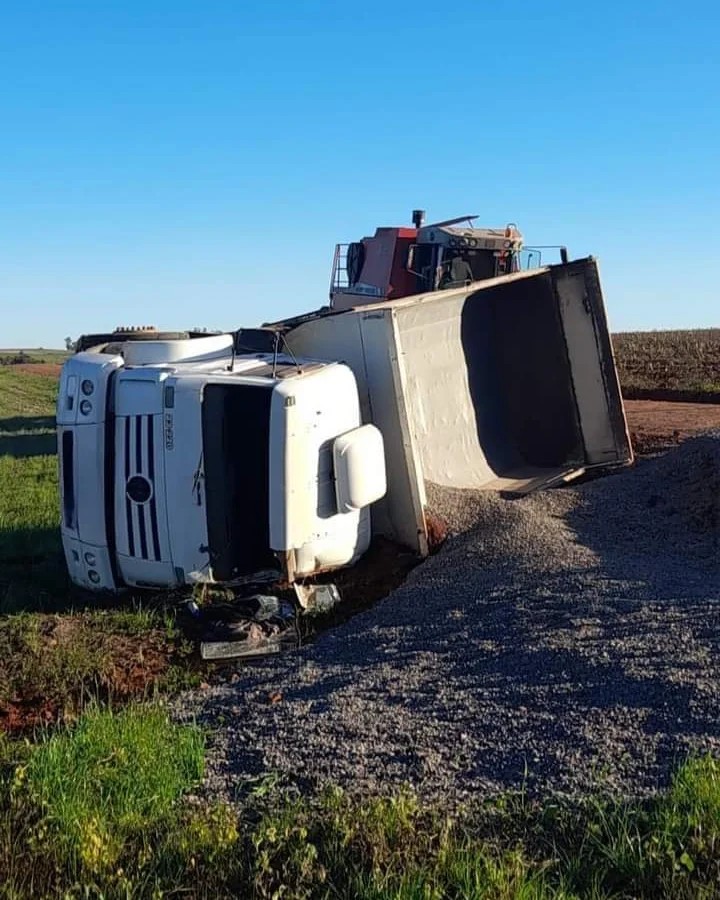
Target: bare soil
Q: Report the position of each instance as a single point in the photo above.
(54, 664)
(656, 426)
(49, 370)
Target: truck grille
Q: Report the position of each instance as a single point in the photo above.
(136, 489)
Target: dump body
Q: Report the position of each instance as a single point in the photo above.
(508, 384)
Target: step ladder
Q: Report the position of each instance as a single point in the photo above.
(339, 279)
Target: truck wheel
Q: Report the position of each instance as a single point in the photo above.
(120, 336)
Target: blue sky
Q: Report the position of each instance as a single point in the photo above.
(192, 163)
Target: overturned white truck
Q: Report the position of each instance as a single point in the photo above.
(211, 458)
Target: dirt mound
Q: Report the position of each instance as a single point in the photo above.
(666, 506)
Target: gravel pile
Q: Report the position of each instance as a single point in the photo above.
(562, 640)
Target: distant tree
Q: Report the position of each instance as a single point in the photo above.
(69, 343)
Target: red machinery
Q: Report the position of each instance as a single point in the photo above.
(400, 262)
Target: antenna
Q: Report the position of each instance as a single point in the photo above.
(291, 354)
(275, 353)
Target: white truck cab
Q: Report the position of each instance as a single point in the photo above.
(183, 462)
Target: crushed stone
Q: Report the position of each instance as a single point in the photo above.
(562, 641)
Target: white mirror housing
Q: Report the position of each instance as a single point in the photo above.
(359, 460)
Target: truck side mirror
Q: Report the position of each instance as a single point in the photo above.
(359, 458)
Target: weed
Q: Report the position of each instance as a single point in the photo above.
(136, 620)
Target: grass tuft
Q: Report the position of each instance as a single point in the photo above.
(98, 811)
(685, 828)
(109, 780)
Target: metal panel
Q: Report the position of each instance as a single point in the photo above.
(183, 460)
(366, 343)
(386, 382)
(438, 395)
(597, 391)
(488, 386)
(135, 396)
(89, 476)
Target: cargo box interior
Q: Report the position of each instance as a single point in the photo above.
(509, 387)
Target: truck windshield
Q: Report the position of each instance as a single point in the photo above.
(236, 437)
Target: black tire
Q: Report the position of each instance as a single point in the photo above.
(87, 341)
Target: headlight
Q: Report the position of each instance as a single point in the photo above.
(87, 387)
(90, 559)
(93, 576)
(86, 407)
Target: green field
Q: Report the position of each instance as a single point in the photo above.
(12, 356)
(30, 554)
(94, 778)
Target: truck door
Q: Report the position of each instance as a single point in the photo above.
(236, 447)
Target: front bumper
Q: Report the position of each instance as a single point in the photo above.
(88, 565)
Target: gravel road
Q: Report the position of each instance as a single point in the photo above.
(562, 640)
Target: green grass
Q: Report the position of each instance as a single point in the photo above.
(98, 811)
(29, 516)
(11, 356)
(24, 395)
(128, 770)
(31, 565)
(83, 802)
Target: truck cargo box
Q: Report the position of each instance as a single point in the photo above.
(508, 384)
